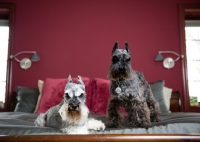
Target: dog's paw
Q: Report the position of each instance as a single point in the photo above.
(75, 130)
(97, 125)
(115, 122)
(40, 121)
(113, 125)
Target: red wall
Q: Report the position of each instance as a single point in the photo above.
(76, 37)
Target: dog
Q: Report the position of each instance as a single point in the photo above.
(71, 114)
(130, 90)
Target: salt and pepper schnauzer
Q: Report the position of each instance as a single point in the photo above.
(71, 115)
(130, 90)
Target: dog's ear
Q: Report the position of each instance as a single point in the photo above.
(126, 47)
(115, 47)
(80, 82)
(70, 79)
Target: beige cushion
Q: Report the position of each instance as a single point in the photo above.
(167, 92)
(40, 87)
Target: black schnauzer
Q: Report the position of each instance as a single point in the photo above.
(130, 90)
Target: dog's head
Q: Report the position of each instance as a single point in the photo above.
(74, 99)
(120, 67)
(74, 93)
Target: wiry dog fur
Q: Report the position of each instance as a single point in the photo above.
(135, 94)
(71, 115)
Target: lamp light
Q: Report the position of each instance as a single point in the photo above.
(168, 62)
(25, 63)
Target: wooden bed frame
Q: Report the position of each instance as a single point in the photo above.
(175, 106)
(104, 138)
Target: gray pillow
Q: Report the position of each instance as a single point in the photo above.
(157, 90)
(26, 99)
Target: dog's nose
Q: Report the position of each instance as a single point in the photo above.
(122, 69)
(73, 106)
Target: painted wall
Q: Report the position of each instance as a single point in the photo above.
(76, 37)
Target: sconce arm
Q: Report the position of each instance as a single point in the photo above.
(170, 52)
(14, 56)
(179, 56)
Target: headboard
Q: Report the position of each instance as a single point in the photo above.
(175, 102)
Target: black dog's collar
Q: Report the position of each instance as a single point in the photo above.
(118, 90)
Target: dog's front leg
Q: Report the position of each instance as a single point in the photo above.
(113, 117)
(138, 112)
(41, 120)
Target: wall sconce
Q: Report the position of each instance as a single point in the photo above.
(168, 62)
(25, 63)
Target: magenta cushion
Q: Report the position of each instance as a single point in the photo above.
(101, 95)
(53, 91)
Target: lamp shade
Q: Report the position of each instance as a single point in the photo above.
(159, 57)
(35, 57)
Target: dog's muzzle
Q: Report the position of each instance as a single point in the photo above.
(122, 69)
(73, 106)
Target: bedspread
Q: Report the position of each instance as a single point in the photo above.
(18, 123)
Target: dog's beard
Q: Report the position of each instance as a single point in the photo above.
(73, 115)
(116, 74)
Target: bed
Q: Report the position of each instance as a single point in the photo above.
(175, 125)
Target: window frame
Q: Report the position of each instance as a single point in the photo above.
(8, 93)
(186, 11)
(4, 30)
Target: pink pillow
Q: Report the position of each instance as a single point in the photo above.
(101, 95)
(53, 92)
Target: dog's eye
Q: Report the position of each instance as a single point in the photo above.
(45, 117)
(81, 95)
(115, 59)
(67, 96)
(128, 60)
